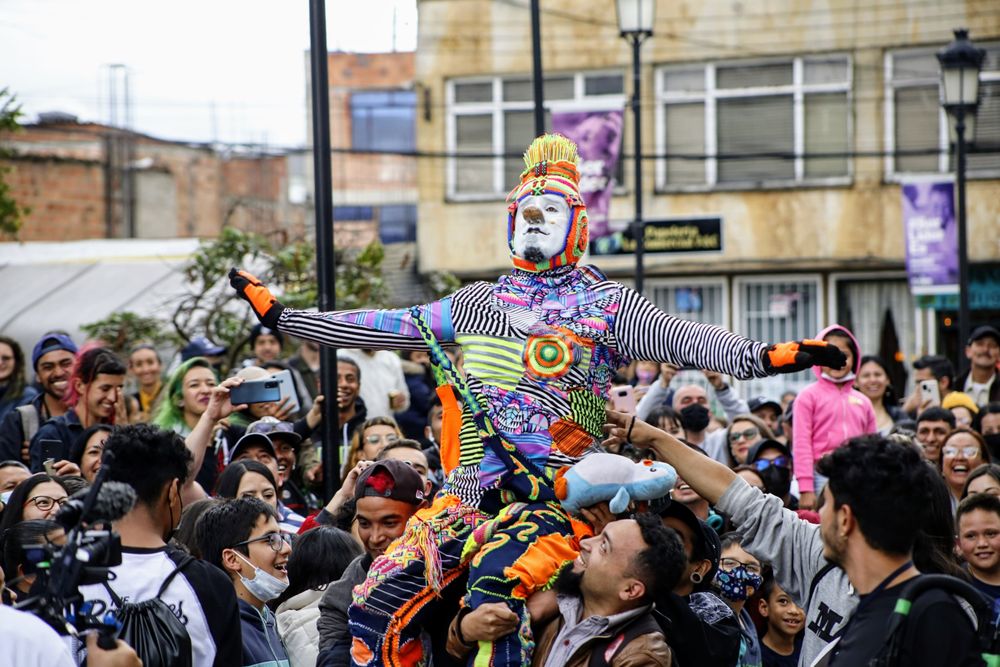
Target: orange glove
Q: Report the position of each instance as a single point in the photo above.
(265, 306)
(800, 355)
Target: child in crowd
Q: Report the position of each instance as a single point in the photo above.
(737, 579)
(241, 537)
(827, 413)
(977, 523)
(781, 642)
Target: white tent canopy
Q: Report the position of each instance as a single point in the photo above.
(60, 286)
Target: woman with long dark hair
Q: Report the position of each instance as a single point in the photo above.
(14, 389)
(873, 381)
(320, 557)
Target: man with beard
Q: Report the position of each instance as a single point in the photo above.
(604, 599)
(52, 359)
(848, 572)
(541, 347)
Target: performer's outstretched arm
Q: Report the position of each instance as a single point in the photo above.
(645, 332)
(370, 329)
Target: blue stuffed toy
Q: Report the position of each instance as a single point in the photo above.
(613, 478)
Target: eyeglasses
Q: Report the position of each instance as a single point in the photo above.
(748, 434)
(276, 541)
(45, 503)
(375, 439)
(780, 461)
(266, 425)
(6, 358)
(970, 452)
(728, 564)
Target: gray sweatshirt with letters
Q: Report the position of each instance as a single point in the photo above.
(795, 549)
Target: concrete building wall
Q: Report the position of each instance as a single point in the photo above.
(799, 228)
(156, 206)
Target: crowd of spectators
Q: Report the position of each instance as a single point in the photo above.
(791, 519)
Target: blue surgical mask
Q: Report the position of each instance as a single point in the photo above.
(264, 586)
(733, 584)
(5, 496)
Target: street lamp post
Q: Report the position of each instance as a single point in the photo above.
(635, 23)
(960, 64)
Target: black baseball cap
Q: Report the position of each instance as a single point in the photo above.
(709, 545)
(404, 483)
(275, 429)
(758, 402)
(252, 440)
(767, 443)
(200, 346)
(983, 332)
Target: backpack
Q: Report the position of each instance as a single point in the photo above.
(152, 629)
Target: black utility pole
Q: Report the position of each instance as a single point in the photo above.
(963, 252)
(324, 238)
(639, 230)
(537, 78)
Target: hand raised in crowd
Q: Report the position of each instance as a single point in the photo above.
(122, 655)
(284, 409)
(65, 468)
(621, 428)
(715, 379)
(667, 373)
(315, 414)
(219, 406)
(598, 516)
(346, 491)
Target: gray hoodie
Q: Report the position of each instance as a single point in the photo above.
(795, 549)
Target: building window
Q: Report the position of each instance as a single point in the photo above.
(491, 120)
(742, 124)
(919, 131)
(384, 120)
(704, 301)
(397, 223)
(775, 309)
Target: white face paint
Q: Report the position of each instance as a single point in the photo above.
(540, 227)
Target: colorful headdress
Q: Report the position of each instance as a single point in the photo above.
(551, 162)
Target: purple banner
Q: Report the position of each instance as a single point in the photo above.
(931, 236)
(598, 138)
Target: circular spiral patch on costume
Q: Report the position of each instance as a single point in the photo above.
(548, 356)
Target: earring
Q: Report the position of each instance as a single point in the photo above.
(696, 577)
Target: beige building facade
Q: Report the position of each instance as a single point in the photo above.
(795, 123)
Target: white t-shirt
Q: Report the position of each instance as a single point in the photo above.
(27, 641)
(201, 596)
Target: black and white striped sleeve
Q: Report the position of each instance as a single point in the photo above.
(643, 331)
(375, 329)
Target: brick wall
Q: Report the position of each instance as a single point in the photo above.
(66, 198)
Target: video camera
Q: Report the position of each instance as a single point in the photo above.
(91, 549)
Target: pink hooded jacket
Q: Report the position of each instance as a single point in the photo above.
(827, 413)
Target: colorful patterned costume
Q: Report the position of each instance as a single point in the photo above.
(541, 347)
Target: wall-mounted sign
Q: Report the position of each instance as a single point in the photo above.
(670, 235)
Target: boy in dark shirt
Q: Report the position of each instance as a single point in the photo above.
(781, 643)
(977, 524)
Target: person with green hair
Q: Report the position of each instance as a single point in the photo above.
(187, 399)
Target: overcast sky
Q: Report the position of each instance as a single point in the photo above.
(231, 70)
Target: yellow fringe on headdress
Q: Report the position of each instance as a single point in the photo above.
(551, 148)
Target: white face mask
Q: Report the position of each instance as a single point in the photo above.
(264, 586)
(540, 227)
